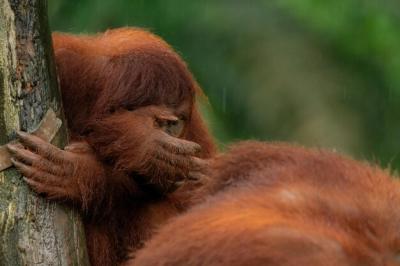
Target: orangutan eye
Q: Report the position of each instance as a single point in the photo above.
(173, 127)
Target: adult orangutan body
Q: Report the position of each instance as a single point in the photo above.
(278, 204)
(136, 135)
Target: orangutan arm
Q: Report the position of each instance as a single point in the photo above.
(76, 174)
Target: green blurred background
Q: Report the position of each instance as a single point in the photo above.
(322, 73)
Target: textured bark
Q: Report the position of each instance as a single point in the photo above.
(33, 231)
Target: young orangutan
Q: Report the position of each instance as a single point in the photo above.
(136, 136)
(278, 204)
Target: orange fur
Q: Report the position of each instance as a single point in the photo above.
(277, 204)
(121, 165)
(103, 79)
(261, 204)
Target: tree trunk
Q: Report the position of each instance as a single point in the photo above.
(33, 231)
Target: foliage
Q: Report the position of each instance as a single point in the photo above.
(316, 72)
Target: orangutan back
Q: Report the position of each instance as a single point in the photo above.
(278, 204)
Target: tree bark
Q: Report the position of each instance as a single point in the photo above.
(33, 231)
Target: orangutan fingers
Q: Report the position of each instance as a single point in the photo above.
(51, 192)
(183, 161)
(23, 168)
(22, 154)
(29, 140)
(178, 146)
(37, 186)
(174, 186)
(181, 164)
(51, 168)
(196, 176)
(161, 167)
(199, 169)
(38, 175)
(199, 164)
(179, 161)
(165, 180)
(41, 147)
(36, 161)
